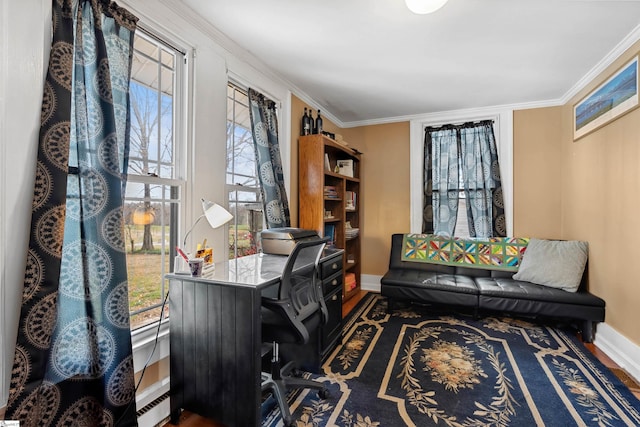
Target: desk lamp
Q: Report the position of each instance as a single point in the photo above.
(216, 215)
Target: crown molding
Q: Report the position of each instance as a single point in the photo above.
(437, 117)
(601, 66)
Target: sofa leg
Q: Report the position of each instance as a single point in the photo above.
(587, 331)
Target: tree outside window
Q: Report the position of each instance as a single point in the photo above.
(152, 200)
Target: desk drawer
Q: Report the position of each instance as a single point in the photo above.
(334, 307)
(331, 266)
(332, 283)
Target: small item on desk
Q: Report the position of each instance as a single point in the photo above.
(181, 262)
(180, 265)
(206, 254)
(195, 265)
(182, 254)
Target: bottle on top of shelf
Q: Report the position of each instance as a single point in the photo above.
(312, 123)
(318, 128)
(305, 128)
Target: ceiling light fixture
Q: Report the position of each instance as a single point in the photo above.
(422, 7)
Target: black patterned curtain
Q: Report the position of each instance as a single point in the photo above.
(264, 128)
(482, 183)
(442, 190)
(73, 362)
(462, 158)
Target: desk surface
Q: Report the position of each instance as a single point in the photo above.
(256, 271)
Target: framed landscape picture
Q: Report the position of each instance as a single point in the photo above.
(610, 100)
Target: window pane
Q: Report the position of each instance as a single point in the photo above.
(152, 199)
(462, 224)
(152, 143)
(247, 223)
(150, 215)
(242, 181)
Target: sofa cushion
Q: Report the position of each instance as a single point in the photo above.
(429, 280)
(429, 287)
(512, 296)
(510, 288)
(554, 263)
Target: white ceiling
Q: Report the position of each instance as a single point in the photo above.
(374, 60)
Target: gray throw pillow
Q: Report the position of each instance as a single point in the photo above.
(554, 263)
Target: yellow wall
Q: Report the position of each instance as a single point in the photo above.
(601, 201)
(537, 169)
(385, 190)
(587, 189)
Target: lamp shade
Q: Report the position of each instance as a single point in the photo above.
(215, 214)
(422, 7)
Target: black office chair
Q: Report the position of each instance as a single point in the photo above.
(290, 316)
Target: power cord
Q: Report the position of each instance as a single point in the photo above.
(146, 364)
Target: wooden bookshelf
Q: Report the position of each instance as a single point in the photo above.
(329, 201)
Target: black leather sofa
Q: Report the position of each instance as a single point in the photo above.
(486, 290)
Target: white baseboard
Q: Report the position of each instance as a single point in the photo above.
(370, 282)
(619, 348)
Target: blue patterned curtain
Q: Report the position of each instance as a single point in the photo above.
(264, 128)
(73, 362)
(441, 181)
(462, 158)
(482, 184)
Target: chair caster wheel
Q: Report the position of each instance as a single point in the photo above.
(323, 394)
(297, 373)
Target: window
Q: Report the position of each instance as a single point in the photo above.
(243, 187)
(463, 166)
(503, 128)
(154, 187)
(462, 221)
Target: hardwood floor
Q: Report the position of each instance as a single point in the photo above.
(192, 420)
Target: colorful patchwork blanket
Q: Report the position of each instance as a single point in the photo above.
(496, 253)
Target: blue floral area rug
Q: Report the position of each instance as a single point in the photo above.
(415, 367)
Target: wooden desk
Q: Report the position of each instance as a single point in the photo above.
(215, 338)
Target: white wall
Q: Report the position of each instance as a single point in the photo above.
(26, 38)
(25, 28)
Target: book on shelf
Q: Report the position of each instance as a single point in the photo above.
(330, 192)
(350, 281)
(330, 232)
(345, 167)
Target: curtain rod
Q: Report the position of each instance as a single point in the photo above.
(461, 125)
(151, 34)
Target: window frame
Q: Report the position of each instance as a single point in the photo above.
(180, 98)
